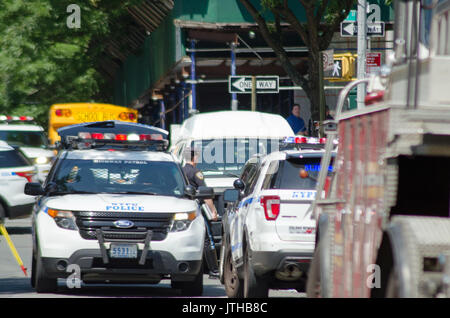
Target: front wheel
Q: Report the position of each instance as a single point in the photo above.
(233, 285)
(254, 287)
(41, 282)
(194, 288)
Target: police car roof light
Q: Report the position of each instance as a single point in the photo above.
(304, 140)
(8, 118)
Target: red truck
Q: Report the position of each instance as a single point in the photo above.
(383, 219)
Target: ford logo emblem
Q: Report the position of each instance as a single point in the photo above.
(123, 224)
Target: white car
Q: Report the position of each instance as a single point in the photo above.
(30, 137)
(15, 172)
(226, 140)
(118, 211)
(269, 235)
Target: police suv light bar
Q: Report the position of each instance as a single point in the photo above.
(117, 133)
(7, 118)
(303, 142)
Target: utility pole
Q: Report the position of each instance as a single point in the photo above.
(362, 48)
(253, 106)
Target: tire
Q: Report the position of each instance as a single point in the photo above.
(33, 270)
(42, 284)
(2, 213)
(190, 289)
(233, 285)
(254, 287)
(392, 290)
(313, 285)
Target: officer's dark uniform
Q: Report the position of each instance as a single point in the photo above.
(195, 178)
(194, 175)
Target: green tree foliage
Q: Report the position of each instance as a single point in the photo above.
(43, 61)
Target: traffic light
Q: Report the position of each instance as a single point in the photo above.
(343, 69)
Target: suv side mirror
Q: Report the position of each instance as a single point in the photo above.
(239, 184)
(34, 188)
(231, 195)
(204, 193)
(189, 191)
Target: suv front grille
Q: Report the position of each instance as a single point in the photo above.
(89, 222)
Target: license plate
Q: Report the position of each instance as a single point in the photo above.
(123, 251)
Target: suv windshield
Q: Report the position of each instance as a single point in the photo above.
(119, 176)
(13, 158)
(221, 157)
(285, 174)
(24, 138)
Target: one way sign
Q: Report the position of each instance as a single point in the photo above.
(373, 29)
(243, 84)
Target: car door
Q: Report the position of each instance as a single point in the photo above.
(238, 222)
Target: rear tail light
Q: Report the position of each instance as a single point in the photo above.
(271, 205)
(63, 112)
(127, 116)
(27, 174)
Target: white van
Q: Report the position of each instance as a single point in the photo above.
(227, 139)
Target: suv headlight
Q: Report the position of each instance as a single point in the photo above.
(181, 221)
(64, 219)
(42, 160)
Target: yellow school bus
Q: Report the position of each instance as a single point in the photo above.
(61, 115)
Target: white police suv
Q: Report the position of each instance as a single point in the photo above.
(15, 171)
(269, 235)
(23, 132)
(116, 207)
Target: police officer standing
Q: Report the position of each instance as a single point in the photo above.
(196, 179)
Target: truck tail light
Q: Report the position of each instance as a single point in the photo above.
(271, 205)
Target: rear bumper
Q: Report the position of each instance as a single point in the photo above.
(92, 268)
(264, 262)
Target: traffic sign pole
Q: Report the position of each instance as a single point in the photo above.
(362, 48)
(234, 101)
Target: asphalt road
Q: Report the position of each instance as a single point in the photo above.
(14, 284)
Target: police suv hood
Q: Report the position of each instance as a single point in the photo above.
(34, 152)
(121, 203)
